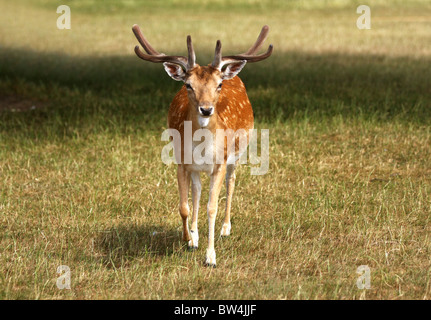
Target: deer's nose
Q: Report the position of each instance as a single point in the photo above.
(206, 111)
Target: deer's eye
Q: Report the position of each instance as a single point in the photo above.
(219, 86)
(188, 86)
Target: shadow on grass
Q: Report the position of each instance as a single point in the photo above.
(124, 243)
(82, 92)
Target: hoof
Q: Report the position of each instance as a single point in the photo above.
(194, 240)
(225, 230)
(210, 265)
(210, 259)
(192, 248)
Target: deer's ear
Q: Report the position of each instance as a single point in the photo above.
(174, 71)
(233, 69)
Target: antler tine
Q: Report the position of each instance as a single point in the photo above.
(217, 55)
(191, 61)
(143, 41)
(155, 56)
(249, 55)
(260, 39)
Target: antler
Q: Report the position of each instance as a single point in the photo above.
(154, 56)
(249, 55)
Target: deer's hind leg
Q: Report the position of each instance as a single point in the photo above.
(230, 186)
(183, 187)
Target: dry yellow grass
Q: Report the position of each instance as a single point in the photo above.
(82, 183)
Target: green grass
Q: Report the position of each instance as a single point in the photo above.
(82, 182)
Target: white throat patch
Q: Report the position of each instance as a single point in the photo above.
(203, 121)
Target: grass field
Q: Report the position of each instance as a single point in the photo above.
(82, 183)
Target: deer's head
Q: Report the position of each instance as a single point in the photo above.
(203, 83)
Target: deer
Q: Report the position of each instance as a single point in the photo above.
(212, 98)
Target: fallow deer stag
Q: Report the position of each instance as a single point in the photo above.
(213, 98)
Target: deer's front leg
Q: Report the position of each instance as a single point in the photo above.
(216, 181)
(183, 188)
(196, 195)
